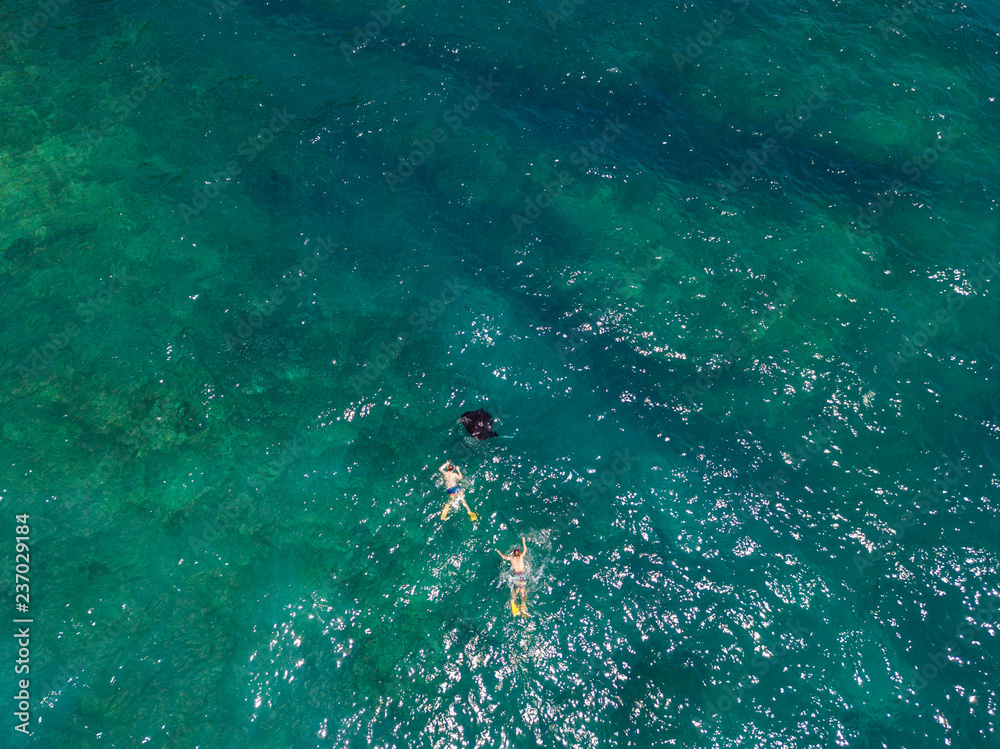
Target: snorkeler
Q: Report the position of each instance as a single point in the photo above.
(452, 474)
(518, 579)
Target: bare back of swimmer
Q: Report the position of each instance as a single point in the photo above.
(518, 578)
(456, 494)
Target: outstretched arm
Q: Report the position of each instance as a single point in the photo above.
(524, 546)
(502, 555)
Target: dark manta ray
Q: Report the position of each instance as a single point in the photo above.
(479, 424)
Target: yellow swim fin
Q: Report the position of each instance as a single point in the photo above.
(473, 517)
(513, 609)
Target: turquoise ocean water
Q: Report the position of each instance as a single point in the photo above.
(726, 273)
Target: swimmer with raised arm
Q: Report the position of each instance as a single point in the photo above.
(518, 579)
(452, 474)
